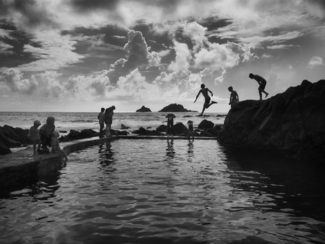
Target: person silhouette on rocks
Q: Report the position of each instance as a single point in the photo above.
(262, 82)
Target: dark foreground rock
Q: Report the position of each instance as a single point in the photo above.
(175, 108)
(11, 137)
(143, 109)
(291, 123)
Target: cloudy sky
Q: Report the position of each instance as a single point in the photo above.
(80, 55)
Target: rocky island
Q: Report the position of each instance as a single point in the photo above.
(291, 123)
(143, 109)
(175, 108)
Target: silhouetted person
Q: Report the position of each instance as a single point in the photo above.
(45, 133)
(190, 129)
(262, 82)
(109, 112)
(170, 123)
(205, 92)
(234, 98)
(101, 120)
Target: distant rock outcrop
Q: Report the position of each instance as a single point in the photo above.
(143, 109)
(291, 123)
(175, 108)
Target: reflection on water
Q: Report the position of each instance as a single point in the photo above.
(146, 191)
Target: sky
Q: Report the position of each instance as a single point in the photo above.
(81, 55)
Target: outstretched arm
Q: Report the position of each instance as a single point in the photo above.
(210, 92)
(197, 96)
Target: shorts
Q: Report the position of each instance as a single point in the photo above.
(207, 101)
(190, 127)
(262, 87)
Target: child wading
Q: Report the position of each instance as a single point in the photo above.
(109, 119)
(56, 145)
(101, 120)
(234, 98)
(34, 136)
(190, 129)
(205, 92)
(262, 82)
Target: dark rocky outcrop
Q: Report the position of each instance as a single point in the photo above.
(175, 108)
(206, 124)
(291, 123)
(143, 131)
(12, 137)
(143, 109)
(180, 129)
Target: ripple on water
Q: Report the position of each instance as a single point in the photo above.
(144, 191)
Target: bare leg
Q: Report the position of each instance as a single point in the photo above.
(202, 110)
(211, 104)
(260, 93)
(266, 94)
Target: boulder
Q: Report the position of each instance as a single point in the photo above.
(291, 123)
(206, 124)
(88, 133)
(161, 128)
(142, 131)
(143, 109)
(8, 137)
(180, 129)
(4, 149)
(23, 135)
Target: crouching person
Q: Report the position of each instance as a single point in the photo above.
(46, 133)
(55, 144)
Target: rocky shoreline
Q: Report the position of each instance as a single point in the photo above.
(11, 137)
(291, 123)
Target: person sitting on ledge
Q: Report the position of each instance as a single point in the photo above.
(56, 145)
(46, 133)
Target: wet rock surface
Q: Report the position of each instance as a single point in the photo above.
(291, 123)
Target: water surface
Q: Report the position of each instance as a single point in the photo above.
(168, 191)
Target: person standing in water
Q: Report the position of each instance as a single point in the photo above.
(262, 82)
(109, 119)
(205, 92)
(234, 98)
(101, 120)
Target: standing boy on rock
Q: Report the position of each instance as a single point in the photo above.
(262, 82)
(234, 98)
(207, 98)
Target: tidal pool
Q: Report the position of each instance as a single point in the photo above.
(168, 191)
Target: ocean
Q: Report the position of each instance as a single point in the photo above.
(65, 121)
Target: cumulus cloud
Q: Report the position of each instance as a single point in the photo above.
(315, 61)
(183, 56)
(137, 55)
(39, 86)
(282, 46)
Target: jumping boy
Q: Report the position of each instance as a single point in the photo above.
(262, 82)
(234, 98)
(207, 98)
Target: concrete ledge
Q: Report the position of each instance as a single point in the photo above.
(22, 167)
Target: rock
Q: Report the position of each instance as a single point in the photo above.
(175, 108)
(4, 149)
(143, 109)
(206, 124)
(180, 129)
(144, 132)
(63, 131)
(123, 127)
(8, 137)
(162, 128)
(88, 133)
(291, 123)
(23, 135)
